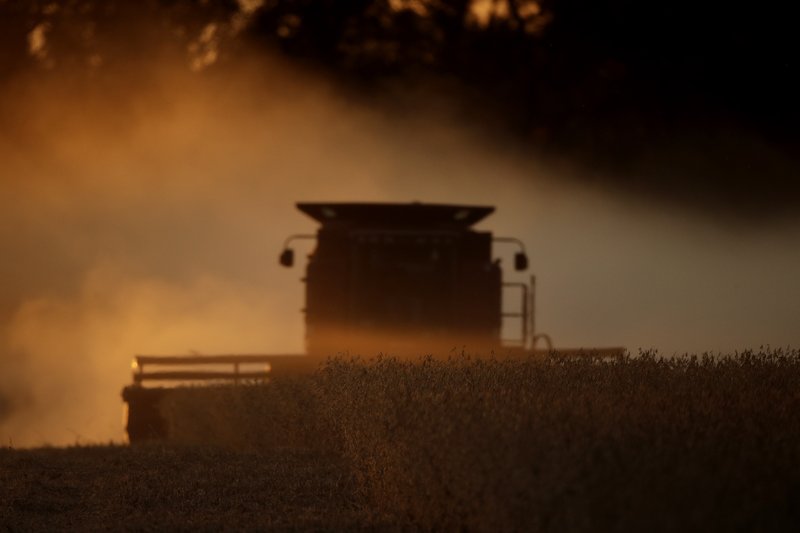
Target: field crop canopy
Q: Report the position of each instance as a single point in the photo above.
(642, 443)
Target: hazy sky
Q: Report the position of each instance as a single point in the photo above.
(151, 223)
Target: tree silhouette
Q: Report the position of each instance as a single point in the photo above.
(600, 81)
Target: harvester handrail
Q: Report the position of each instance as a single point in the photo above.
(208, 359)
(178, 375)
(139, 362)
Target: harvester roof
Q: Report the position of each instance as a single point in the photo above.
(371, 215)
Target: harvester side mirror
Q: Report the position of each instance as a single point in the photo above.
(287, 257)
(520, 258)
(520, 261)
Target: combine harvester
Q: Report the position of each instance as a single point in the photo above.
(398, 279)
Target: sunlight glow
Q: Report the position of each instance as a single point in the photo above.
(37, 41)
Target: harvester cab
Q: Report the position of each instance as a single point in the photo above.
(406, 279)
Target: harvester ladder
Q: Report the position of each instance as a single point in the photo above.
(523, 314)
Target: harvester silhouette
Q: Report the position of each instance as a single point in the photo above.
(399, 279)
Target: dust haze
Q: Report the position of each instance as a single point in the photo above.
(146, 214)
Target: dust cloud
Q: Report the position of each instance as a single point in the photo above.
(146, 216)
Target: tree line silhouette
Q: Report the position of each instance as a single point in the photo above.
(606, 82)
